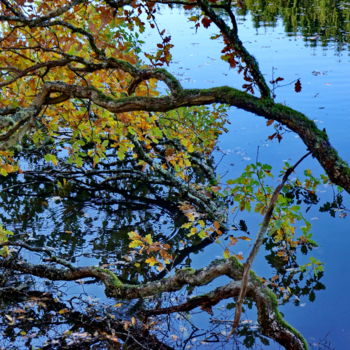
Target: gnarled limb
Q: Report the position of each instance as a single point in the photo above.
(270, 320)
(315, 139)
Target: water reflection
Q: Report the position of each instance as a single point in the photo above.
(320, 22)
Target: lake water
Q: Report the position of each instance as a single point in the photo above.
(324, 73)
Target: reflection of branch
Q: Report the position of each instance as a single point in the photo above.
(134, 337)
(259, 241)
(270, 319)
(207, 300)
(114, 287)
(46, 251)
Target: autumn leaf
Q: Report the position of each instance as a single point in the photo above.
(206, 22)
(216, 225)
(227, 253)
(151, 261)
(148, 239)
(297, 86)
(63, 311)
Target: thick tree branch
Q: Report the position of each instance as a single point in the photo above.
(315, 140)
(271, 322)
(270, 319)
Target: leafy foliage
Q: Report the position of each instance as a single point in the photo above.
(99, 167)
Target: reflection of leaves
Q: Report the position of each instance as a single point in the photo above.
(335, 206)
(320, 22)
(243, 226)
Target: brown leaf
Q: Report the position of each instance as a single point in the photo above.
(297, 86)
(206, 22)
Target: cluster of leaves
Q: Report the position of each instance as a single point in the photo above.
(153, 251)
(289, 231)
(4, 236)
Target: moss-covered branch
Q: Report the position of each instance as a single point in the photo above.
(270, 319)
(315, 139)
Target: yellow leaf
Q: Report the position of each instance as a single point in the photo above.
(193, 231)
(51, 158)
(148, 239)
(152, 261)
(135, 243)
(190, 216)
(201, 223)
(133, 235)
(226, 253)
(202, 234)
(63, 311)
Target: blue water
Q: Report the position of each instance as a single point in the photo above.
(325, 77)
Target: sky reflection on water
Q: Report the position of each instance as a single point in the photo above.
(324, 73)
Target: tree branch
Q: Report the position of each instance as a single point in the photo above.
(259, 241)
(315, 140)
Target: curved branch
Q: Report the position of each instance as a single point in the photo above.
(24, 72)
(114, 287)
(315, 140)
(19, 17)
(270, 319)
(232, 36)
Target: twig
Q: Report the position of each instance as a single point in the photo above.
(258, 243)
